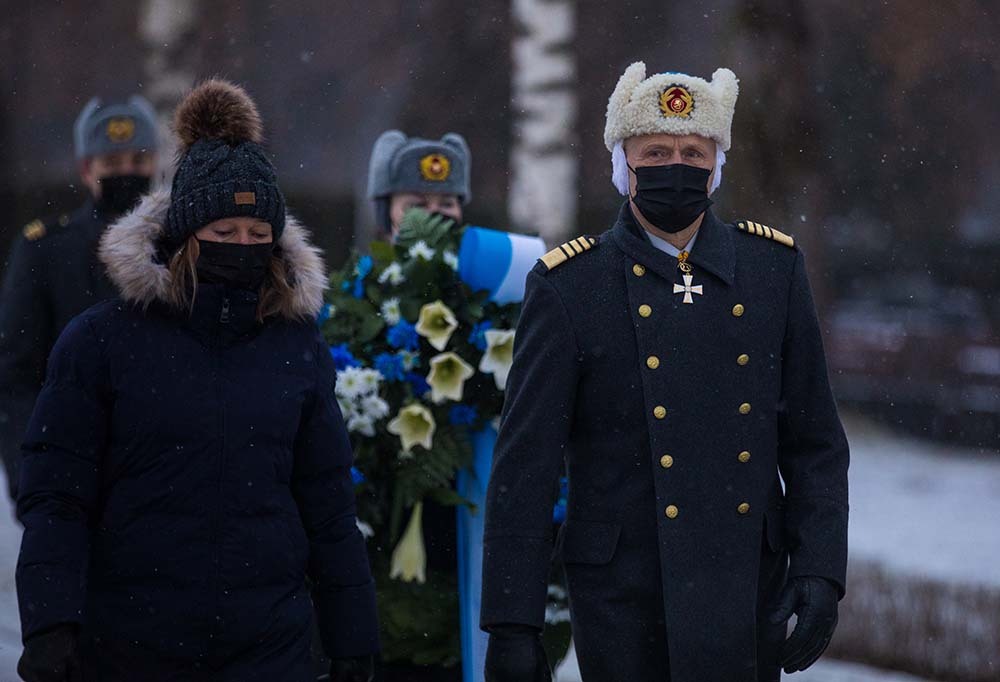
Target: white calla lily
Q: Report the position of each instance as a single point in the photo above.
(409, 559)
(499, 355)
(449, 373)
(414, 424)
(436, 324)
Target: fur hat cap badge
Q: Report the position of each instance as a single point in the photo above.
(671, 103)
(412, 164)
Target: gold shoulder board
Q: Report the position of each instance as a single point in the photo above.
(765, 231)
(34, 230)
(570, 249)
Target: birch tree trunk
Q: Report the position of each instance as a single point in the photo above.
(543, 178)
(166, 28)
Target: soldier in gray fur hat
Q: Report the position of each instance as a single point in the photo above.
(411, 172)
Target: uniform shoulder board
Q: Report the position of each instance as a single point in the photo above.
(765, 231)
(34, 230)
(570, 249)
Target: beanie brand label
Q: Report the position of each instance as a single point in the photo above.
(245, 199)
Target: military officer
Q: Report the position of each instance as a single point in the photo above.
(675, 363)
(52, 273)
(411, 172)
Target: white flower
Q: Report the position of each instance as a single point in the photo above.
(374, 407)
(370, 380)
(366, 530)
(421, 250)
(346, 407)
(409, 559)
(450, 259)
(410, 360)
(437, 323)
(499, 355)
(414, 425)
(361, 423)
(393, 275)
(350, 383)
(448, 375)
(390, 311)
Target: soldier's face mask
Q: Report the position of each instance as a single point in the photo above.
(671, 197)
(120, 193)
(242, 266)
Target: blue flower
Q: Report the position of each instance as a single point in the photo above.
(325, 313)
(418, 383)
(559, 510)
(478, 336)
(356, 476)
(462, 415)
(361, 270)
(403, 335)
(342, 357)
(390, 366)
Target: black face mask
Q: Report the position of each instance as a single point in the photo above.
(671, 197)
(120, 193)
(242, 266)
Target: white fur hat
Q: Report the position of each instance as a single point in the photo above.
(672, 103)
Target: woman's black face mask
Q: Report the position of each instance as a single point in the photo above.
(671, 197)
(242, 266)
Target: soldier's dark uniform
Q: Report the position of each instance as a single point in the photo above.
(52, 275)
(675, 420)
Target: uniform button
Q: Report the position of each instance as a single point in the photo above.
(666, 461)
(744, 456)
(659, 412)
(742, 360)
(652, 362)
(645, 310)
(743, 508)
(638, 270)
(671, 511)
(745, 408)
(738, 310)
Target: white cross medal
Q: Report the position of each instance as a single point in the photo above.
(687, 289)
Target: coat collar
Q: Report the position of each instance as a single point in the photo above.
(714, 251)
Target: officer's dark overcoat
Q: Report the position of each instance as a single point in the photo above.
(52, 275)
(677, 422)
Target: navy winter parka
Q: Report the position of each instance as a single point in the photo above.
(183, 475)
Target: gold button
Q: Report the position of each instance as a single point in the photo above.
(745, 408)
(743, 359)
(671, 512)
(744, 456)
(645, 310)
(652, 362)
(638, 270)
(659, 412)
(738, 310)
(666, 461)
(743, 508)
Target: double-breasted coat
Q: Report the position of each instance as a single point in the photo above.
(706, 459)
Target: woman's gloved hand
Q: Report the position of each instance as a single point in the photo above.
(52, 656)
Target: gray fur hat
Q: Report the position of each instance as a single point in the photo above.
(114, 127)
(411, 164)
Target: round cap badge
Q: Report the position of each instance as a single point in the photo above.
(435, 167)
(120, 130)
(676, 101)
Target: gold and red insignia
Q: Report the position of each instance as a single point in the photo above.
(435, 167)
(120, 130)
(676, 101)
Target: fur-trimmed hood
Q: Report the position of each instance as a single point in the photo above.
(128, 251)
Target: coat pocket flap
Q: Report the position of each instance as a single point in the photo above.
(589, 542)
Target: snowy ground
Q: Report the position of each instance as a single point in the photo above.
(919, 508)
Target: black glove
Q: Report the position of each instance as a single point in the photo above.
(515, 654)
(814, 600)
(52, 656)
(356, 669)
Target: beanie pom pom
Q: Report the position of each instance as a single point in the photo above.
(218, 109)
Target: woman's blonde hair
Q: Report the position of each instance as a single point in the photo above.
(275, 294)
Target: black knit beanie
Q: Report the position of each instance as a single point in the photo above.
(222, 170)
